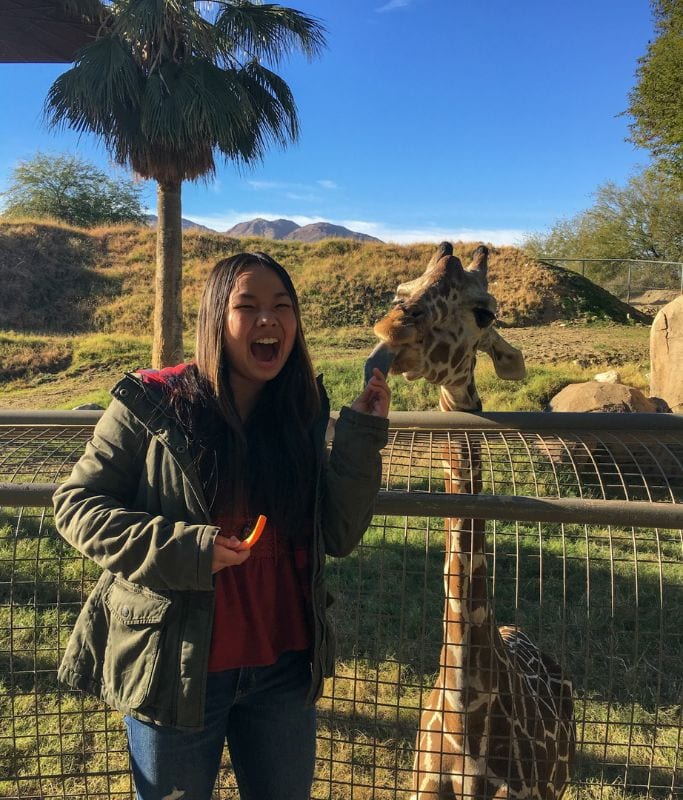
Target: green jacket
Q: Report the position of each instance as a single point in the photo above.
(135, 506)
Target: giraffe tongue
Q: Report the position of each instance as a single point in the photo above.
(381, 357)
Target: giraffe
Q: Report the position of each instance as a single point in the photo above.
(499, 720)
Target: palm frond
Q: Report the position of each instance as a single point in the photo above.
(166, 87)
(164, 30)
(104, 82)
(273, 111)
(268, 32)
(87, 10)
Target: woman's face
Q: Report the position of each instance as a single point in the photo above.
(260, 328)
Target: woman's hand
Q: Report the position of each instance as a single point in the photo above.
(228, 552)
(376, 396)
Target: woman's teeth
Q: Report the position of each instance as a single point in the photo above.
(265, 349)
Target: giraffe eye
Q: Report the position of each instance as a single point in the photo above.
(483, 317)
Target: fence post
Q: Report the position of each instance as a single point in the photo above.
(628, 286)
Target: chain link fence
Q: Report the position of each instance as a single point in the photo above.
(642, 283)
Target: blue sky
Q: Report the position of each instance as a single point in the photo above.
(423, 120)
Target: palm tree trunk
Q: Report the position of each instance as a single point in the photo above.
(167, 349)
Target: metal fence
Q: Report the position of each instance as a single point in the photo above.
(584, 542)
(639, 282)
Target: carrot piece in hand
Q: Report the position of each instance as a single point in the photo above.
(256, 532)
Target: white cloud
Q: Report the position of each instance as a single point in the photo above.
(306, 197)
(392, 5)
(388, 233)
(328, 184)
(495, 236)
(266, 185)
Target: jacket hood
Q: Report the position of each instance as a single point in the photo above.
(161, 376)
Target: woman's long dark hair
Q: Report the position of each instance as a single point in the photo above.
(265, 463)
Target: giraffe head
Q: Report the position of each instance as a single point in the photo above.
(438, 323)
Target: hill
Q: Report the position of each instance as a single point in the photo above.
(59, 279)
(317, 231)
(263, 228)
(286, 229)
(186, 224)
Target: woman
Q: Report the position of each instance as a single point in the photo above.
(196, 638)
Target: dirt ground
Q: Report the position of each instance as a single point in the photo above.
(585, 345)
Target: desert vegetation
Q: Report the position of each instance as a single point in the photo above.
(77, 306)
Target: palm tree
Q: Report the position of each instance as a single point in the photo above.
(170, 84)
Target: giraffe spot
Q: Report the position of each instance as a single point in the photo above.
(479, 615)
(457, 356)
(440, 353)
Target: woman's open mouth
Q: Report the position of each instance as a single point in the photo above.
(265, 350)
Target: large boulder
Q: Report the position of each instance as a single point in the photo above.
(666, 355)
(615, 465)
(600, 396)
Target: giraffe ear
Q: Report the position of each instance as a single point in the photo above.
(444, 249)
(508, 361)
(480, 261)
(445, 262)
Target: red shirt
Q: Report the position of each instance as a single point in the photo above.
(262, 606)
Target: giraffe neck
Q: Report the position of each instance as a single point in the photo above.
(460, 398)
(468, 620)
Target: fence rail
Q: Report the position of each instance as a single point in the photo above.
(584, 541)
(607, 274)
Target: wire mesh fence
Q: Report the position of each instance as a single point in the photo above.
(605, 599)
(647, 283)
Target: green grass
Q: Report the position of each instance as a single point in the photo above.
(66, 371)
(607, 602)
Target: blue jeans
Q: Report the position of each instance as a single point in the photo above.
(260, 712)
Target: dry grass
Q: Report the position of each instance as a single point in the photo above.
(64, 279)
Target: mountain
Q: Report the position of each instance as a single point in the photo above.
(325, 230)
(186, 223)
(280, 229)
(264, 228)
(286, 229)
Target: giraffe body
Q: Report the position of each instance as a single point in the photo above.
(499, 721)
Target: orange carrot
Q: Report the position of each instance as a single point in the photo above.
(256, 532)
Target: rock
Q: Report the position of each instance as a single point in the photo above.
(613, 465)
(611, 376)
(600, 396)
(666, 355)
(88, 407)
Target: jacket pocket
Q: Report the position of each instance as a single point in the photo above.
(131, 659)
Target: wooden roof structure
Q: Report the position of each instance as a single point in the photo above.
(45, 31)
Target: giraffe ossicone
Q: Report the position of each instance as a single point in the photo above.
(499, 721)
